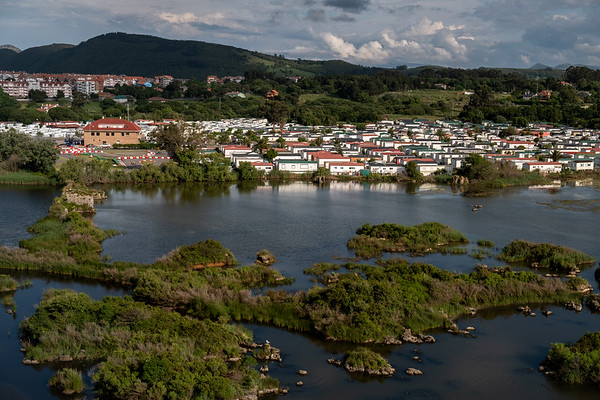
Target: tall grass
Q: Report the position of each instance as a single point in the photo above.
(25, 178)
(68, 381)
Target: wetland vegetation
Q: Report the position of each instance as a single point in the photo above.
(200, 288)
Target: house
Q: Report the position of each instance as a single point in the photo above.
(345, 168)
(229, 150)
(271, 94)
(111, 131)
(544, 167)
(296, 166)
(324, 157)
(581, 164)
(263, 166)
(386, 168)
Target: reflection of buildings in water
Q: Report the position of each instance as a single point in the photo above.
(427, 187)
(294, 187)
(383, 187)
(584, 182)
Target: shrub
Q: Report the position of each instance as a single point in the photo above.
(545, 255)
(67, 381)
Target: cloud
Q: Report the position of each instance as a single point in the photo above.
(400, 44)
(426, 27)
(372, 50)
(352, 6)
(316, 15)
(343, 18)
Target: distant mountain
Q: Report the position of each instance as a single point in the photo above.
(539, 66)
(121, 53)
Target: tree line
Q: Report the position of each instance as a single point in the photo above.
(499, 96)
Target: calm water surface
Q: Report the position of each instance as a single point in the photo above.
(303, 224)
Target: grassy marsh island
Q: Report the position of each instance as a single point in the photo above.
(363, 360)
(142, 349)
(546, 255)
(429, 237)
(377, 303)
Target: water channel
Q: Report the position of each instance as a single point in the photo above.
(303, 224)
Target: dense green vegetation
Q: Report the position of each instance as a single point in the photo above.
(425, 238)
(484, 174)
(377, 302)
(576, 363)
(143, 350)
(545, 255)
(19, 151)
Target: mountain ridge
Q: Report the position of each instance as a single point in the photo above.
(132, 54)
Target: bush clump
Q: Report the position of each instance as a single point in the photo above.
(545, 255)
(7, 283)
(429, 237)
(68, 381)
(199, 255)
(367, 361)
(577, 363)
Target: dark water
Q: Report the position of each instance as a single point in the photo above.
(303, 224)
(21, 206)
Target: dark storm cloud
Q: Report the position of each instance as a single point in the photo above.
(353, 6)
(409, 8)
(344, 18)
(316, 15)
(551, 37)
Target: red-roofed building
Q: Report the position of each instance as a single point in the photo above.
(325, 157)
(111, 131)
(263, 166)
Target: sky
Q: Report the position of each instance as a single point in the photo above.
(388, 33)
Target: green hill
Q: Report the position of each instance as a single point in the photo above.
(121, 53)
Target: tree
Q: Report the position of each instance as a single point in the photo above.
(442, 136)
(261, 145)
(476, 167)
(271, 154)
(169, 138)
(555, 155)
(280, 142)
(247, 172)
(37, 95)
(79, 99)
(412, 171)
(275, 111)
(63, 114)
